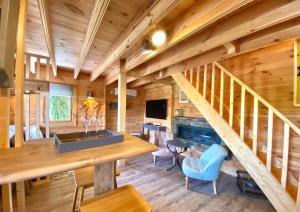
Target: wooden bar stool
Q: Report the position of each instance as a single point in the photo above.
(123, 199)
(84, 178)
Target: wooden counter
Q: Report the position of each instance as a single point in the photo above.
(40, 158)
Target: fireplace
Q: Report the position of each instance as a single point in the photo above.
(196, 130)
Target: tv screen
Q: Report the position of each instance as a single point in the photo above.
(156, 109)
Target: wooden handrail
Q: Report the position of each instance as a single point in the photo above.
(257, 98)
(262, 100)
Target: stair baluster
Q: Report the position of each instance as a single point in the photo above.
(272, 112)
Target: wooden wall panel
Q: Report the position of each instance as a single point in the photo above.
(269, 71)
(134, 114)
(83, 85)
(160, 91)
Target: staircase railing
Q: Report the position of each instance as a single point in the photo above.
(199, 79)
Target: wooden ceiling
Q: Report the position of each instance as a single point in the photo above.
(194, 28)
(68, 24)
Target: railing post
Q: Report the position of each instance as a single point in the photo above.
(231, 99)
(221, 92)
(204, 81)
(185, 73)
(192, 76)
(47, 69)
(212, 97)
(298, 195)
(269, 143)
(198, 78)
(255, 123)
(285, 154)
(242, 119)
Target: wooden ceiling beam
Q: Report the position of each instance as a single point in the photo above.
(259, 17)
(94, 23)
(282, 32)
(236, 27)
(192, 21)
(158, 11)
(44, 11)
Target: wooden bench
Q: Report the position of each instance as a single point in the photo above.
(84, 178)
(123, 199)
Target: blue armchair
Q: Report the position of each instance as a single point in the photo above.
(207, 167)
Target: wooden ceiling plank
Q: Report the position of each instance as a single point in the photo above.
(274, 35)
(94, 23)
(259, 17)
(195, 19)
(159, 10)
(44, 11)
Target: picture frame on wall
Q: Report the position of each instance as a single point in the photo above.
(183, 97)
(297, 72)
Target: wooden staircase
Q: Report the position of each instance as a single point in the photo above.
(205, 87)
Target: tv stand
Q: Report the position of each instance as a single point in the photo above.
(150, 126)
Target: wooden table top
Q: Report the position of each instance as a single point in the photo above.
(40, 158)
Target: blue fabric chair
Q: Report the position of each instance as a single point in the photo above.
(207, 167)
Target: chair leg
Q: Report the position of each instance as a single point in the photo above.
(75, 198)
(187, 182)
(115, 183)
(154, 160)
(174, 160)
(215, 186)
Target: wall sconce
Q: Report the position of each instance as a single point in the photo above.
(146, 47)
(90, 95)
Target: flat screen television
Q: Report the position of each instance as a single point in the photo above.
(157, 109)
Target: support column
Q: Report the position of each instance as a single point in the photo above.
(122, 104)
(19, 95)
(122, 98)
(4, 143)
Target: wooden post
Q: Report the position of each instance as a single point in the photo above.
(285, 155)
(47, 121)
(122, 98)
(105, 112)
(37, 115)
(269, 143)
(74, 106)
(231, 101)
(192, 76)
(27, 66)
(47, 69)
(198, 78)
(298, 195)
(38, 68)
(104, 179)
(27, 116)
(4, 143)
(19, 95)
(255, 125)
(221, 92)
(212, 97)
(242, 118)
(204, 81)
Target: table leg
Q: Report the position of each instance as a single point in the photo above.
(104, 179)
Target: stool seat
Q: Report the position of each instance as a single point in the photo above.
(123, 199)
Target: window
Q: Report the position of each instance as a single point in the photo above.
(60, 102)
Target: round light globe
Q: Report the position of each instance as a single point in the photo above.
(158, 38)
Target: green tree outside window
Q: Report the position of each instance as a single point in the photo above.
(60, 108)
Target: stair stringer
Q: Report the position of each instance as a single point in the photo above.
(280, 199)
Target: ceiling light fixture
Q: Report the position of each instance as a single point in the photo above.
(159, 38)
(146, 47)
